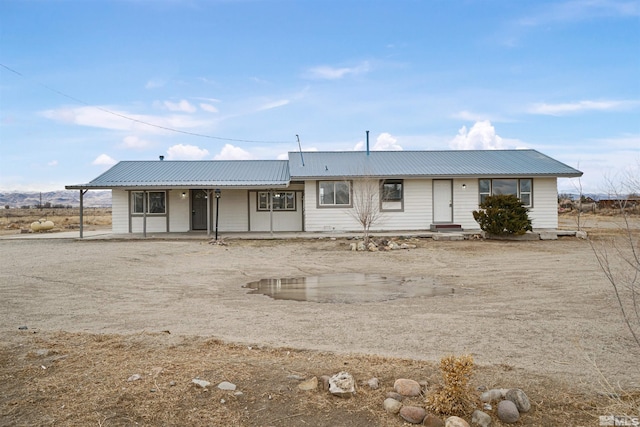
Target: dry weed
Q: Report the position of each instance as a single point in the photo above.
(455, 397)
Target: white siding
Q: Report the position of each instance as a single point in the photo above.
(234, 215)
(544, 213)
(282, 220)
(119, 211)
(179, 212)
(416, 214)
(465, 201)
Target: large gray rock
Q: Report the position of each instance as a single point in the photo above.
(342, 384)
(455, 422)
(508, 412)
(407, 387)
(413, 414)
(519, 397)
(391, 405)
(480, 418)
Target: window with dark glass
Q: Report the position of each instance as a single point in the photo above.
(155, 202)
(521, 188)
(334, 193)
(391, 190)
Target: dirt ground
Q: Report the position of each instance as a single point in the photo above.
(538, 315)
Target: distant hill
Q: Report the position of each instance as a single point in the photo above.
(15, 199)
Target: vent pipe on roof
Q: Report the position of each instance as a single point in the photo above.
(161, 158)
(367, 143)
(300, 148)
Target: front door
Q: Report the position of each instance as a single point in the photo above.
(198, 210)
(442, 201)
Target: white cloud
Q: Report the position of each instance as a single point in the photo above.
(274, 104)
(481, 136)
(154, 83)
(384, 142)
(104, 160)
(115, 119)
(577, 107)
(186, 152)
(183, 105)
(325, 72)
(208, 107)
(231, 152)
(581, 10)
(52, 163)
(135, 143)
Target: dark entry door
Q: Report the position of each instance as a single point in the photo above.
(198, 210)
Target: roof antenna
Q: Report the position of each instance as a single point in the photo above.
(300, 148)
(367, 143)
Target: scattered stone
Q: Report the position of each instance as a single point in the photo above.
(42, 352)
(481, 418)
(580, 234)
(487, 407)
(22, 328)
(295, 377)
(508, 412)
(432, 421)
(361, 246)
(394, 395)
(153, 390)
(391, 405)
(172, 383)
(373, 384)
(342, 384)
(407, 387)
(325, 382)
(134, 377)
(353, 246)
(310, 384)
(226, 385)
(455, 422)
(371, 247)
(413, 414)
(238, 393)
(201, 383)
(548, 235)
(519, 397)
(491, 395)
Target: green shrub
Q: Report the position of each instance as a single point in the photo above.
(503, 215)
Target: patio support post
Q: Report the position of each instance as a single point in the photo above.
(144, 213)
(271, 212)
(82, 192)
(208, 212)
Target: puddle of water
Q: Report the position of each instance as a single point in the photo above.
(347, 288)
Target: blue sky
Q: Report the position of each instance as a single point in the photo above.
(81, 81)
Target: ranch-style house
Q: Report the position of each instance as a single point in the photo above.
(316, 191)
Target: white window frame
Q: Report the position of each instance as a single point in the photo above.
(265, 197)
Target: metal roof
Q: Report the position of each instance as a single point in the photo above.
(190, 173)
(453, 163)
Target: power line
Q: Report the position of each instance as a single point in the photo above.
(123, 116)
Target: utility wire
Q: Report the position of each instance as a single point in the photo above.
(79, 101)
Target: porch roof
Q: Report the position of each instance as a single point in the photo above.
(192, 174)
(452, 163)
